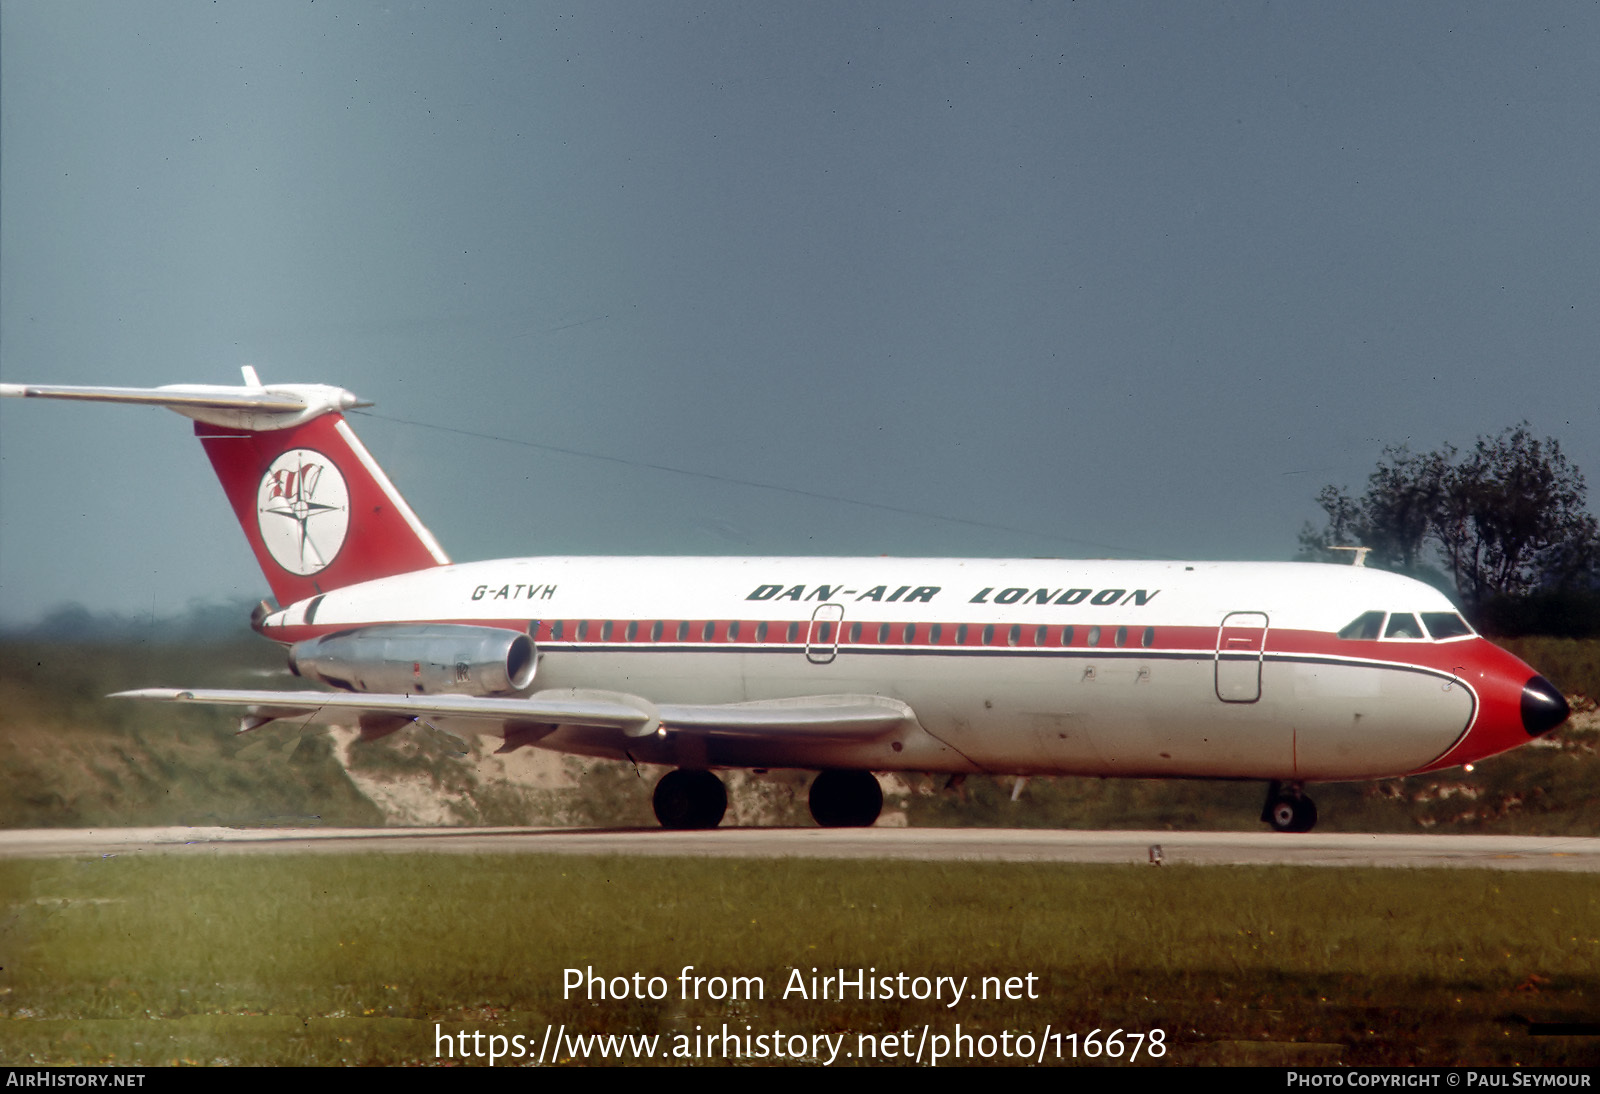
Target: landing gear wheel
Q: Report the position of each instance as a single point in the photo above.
(846, 799)
(1289, 810)
(690, 799)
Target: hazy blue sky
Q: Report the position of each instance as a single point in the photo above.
(1131, 279)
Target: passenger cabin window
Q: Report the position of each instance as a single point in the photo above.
(1403, 625)
(1365, 625)
(683, 630)
(1445, 624)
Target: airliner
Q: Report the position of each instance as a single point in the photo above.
(1288, 673)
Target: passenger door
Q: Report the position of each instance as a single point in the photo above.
(822, 636)
(1241, 645)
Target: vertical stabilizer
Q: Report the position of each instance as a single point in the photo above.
(317, 509)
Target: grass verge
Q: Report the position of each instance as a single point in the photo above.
(362, 959)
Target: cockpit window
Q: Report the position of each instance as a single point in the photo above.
(1445, 624)
(1403, 625)
(1365, 625)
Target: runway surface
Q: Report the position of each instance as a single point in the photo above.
(942, 844)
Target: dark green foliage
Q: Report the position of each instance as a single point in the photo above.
(1559, 613)
(70, 757)
(1505, 523)
(1573, 665)
(202, 622)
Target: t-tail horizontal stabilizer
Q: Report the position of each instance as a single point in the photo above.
(250, 406)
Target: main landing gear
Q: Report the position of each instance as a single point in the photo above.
(697, 799)
(1288, 809)
(846, 799)
(690, 799)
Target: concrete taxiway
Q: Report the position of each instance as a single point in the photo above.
(1580, 854)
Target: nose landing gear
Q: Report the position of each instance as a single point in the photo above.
(1288, 809)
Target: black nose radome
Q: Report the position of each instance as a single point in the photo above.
(1543, 708)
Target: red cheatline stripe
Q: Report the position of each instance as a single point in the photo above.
(1450, 656)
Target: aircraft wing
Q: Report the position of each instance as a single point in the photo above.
(814, 717)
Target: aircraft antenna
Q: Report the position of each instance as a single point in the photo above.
(1360, 552)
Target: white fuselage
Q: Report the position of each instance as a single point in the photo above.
(1229, 670)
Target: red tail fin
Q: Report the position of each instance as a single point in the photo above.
(317, 509)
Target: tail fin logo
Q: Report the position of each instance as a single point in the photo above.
(303, 511)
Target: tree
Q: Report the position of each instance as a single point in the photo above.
(1507, 521)
(1394, 517)
(1513, 519)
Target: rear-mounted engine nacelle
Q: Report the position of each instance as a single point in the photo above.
(431, 658)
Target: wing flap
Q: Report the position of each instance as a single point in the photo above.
(813, 717)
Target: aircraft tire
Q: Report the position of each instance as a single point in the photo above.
(1291, 813)
(690, 799)
(845, 799)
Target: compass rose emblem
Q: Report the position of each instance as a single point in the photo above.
(303, 511)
